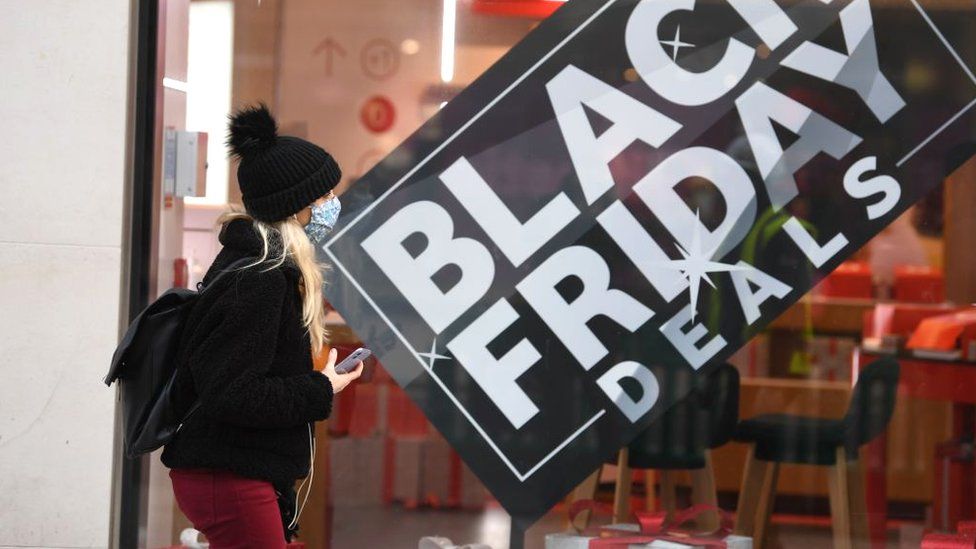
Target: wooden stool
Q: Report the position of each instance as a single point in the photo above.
(781, 438)
(679, 440)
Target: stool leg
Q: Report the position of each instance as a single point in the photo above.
(703, 492)
(765, 506)
(669, 496)
(650, 499)
(586, 490)
(840, 510)
(858, 504)
(752, 483)
(621, 494)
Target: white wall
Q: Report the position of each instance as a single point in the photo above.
(63, 106)
(327, 106)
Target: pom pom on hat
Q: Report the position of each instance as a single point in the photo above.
(251, 129)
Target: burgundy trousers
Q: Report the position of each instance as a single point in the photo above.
(232, 511)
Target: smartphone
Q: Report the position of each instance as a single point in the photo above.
(349, 363)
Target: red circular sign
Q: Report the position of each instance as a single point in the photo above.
(378, 114)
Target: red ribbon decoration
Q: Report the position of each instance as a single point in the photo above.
(657, 526)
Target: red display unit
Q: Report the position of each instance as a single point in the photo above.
(533, 9)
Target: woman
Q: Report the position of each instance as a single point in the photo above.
(247, 346)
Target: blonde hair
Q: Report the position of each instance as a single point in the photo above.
(294, 244)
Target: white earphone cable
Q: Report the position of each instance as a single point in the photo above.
(309, 479)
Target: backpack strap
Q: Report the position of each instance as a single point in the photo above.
(232, 267)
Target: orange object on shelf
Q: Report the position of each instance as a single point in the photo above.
(946, 333)
(919, 284)
(850, 279)
(901, 319)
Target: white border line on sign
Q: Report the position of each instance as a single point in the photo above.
(965, 68)
(935, 133)
(408, 175)
(943, 39)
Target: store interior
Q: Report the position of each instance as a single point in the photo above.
(359, 78)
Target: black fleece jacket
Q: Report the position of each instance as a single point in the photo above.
(245, 351)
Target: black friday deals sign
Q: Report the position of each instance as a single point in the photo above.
(620, 203)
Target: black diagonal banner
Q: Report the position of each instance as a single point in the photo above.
(627, 197)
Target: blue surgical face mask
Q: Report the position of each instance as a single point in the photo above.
(324, 217)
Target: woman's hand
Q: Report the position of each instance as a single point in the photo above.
(340, 381)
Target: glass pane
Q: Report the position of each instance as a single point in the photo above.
(849, 392)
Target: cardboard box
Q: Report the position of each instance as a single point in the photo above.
(403, 470)
(437, 472)
(356, 471)
(831, 358)
(404, 418)
(369, 411)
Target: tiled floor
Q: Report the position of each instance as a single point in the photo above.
(396, 528)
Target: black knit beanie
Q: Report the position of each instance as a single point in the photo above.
(279, 175)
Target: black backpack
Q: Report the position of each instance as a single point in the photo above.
(144, 363)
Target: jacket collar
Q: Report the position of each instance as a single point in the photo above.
(241, 236)
(240, 239)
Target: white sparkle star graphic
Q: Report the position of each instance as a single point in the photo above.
(697, 264)
(432, 356)
(676, 44)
